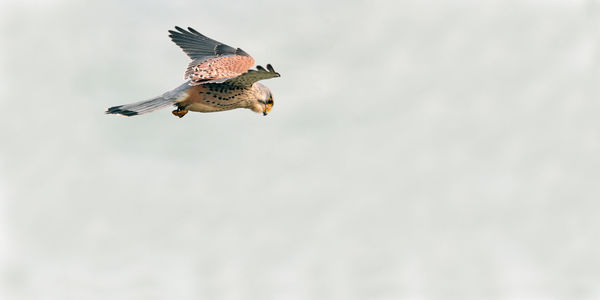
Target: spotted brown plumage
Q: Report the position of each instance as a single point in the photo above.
(213, 69)
(218, 78)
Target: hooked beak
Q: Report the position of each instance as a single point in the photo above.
(265, 113)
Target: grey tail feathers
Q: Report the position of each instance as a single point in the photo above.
(142, 107)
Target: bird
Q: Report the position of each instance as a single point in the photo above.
(219, 78)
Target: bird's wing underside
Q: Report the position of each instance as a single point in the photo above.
(212, 61)
(252, 76)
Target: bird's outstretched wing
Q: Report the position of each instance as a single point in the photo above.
(253, 76)
(212, 61)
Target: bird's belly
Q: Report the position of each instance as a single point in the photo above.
(205, 107)
(210, 99)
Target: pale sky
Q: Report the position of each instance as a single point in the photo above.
(416, 150)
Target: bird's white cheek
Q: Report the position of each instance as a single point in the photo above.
(257, 108)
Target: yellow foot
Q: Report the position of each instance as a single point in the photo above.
(180, 112)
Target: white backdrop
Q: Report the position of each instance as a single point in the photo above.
(416, 150)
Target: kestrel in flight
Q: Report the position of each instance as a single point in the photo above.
(218, 78)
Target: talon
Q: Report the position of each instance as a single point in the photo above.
(180, 112)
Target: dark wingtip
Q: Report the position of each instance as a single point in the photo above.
(270, 68)
(118, 110)
(180, 29)
(192, 30)
(260, 68)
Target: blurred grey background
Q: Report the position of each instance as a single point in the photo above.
(416, 150)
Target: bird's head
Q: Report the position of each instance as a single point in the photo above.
(264, 98)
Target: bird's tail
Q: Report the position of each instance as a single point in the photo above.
(142, 107)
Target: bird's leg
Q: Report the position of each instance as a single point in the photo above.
(180, 111)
